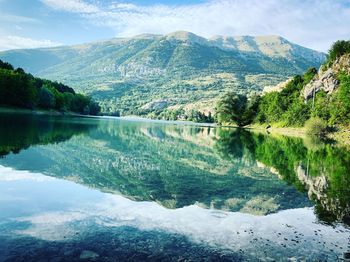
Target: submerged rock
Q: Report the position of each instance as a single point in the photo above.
(88, 255)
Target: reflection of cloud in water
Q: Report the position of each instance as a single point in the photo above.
(216, 228)
(8, 174)
(52, 226)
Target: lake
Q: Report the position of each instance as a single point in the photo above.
(93, 189)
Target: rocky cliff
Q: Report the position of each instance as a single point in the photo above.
(326, 79)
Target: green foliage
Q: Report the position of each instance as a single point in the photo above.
(316, 126)
(20, 131)
(338, 49)
(19, 89)
(309, 75)
(293, 159)
(46, 98)
(5, 65)
(286, 107)
(180, 114)
(322, 107)
(251, 109)
(334, 108)
(340, 107)
(230, 108)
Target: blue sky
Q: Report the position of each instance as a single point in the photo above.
(36, 23)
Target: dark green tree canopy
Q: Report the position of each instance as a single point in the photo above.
(19, 89)
(230, 108)
(338, 49)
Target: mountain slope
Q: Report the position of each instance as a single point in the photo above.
(180, 69)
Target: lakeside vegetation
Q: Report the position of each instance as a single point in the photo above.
(289, 108)
(22, 90)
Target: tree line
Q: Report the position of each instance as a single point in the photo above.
(23, 90)
(288, 107)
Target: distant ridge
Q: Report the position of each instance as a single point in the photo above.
(181, 68)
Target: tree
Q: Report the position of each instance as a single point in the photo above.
(316, 126)
(46, 98)
(251, 109)
(5, 65)
(19, 89)
(338, 49)
(230, 108)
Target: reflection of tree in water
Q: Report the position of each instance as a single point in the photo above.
(18, 131)
(321, 170)
(179, 166)
(175, 166)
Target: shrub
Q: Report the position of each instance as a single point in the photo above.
(338, 49)
(316, 126)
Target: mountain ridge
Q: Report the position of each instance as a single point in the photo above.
(179, 67)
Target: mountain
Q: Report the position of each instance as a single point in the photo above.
(319, 100)
(150, 73)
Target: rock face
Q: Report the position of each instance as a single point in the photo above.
(326, 80)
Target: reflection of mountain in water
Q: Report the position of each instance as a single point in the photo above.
(173, 165)
(321, 170)
(178, 165)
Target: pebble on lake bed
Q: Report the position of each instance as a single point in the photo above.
(88, 254)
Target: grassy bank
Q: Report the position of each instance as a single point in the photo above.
(288, 131)
(341, 135)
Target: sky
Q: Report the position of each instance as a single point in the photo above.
(40, 23)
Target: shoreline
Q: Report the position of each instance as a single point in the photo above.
(342, 136)
(287, 131)
(175, 122)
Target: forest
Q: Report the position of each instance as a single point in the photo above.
(22, 90)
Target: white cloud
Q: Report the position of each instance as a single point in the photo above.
(17, 42)
(8, 18)
(313, 23)
(212, 227)
(75, 6)
(84, 210)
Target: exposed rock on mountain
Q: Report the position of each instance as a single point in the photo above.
(125, 74)
(326, 79)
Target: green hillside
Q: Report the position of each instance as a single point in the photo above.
(318, 99)
(147, 74)
(19, 89)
